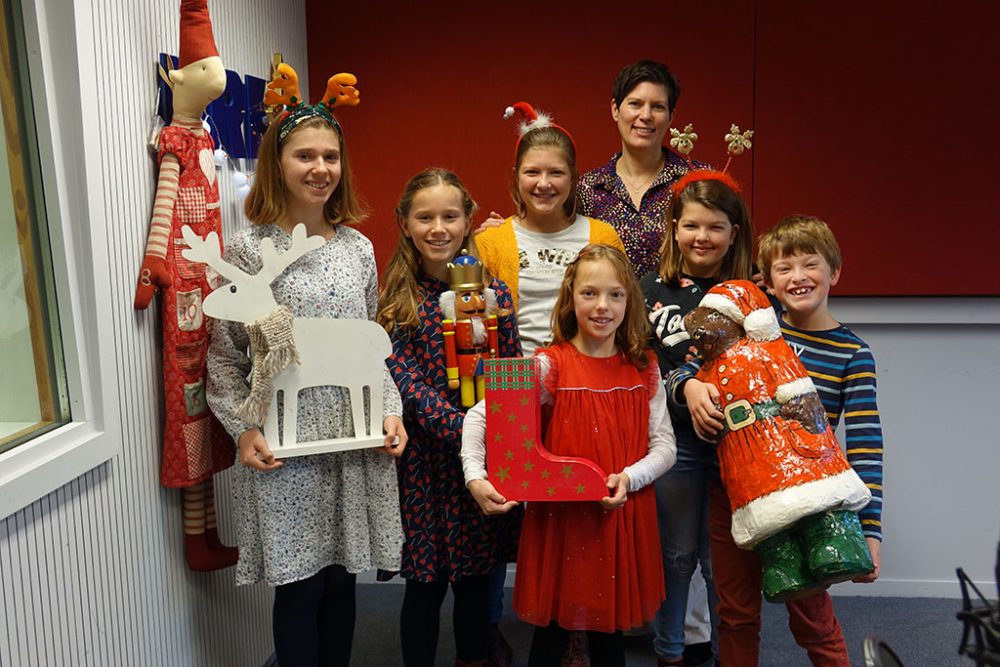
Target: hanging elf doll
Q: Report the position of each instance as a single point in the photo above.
(195, 446)
(792, 492)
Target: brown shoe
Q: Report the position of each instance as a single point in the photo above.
(500, 651)
(576, 651)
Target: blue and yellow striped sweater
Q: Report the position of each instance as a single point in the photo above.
(843, 369)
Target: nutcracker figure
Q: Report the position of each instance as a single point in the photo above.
(470, 328)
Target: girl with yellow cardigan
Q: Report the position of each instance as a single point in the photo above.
(530, 250)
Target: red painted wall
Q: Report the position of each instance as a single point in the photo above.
(435, 77)
(881, 122)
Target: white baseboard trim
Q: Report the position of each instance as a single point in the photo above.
(889, 588)
(908, 588)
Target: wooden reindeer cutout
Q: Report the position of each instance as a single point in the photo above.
(330, 352)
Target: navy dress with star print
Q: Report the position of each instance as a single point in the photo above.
(445, 533)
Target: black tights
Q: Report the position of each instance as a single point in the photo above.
(314, 620)
(419, 620)
(549, 643)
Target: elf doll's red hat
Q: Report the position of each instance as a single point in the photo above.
(744, 303)
(197, 41)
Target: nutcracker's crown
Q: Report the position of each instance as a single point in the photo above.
(465, 273)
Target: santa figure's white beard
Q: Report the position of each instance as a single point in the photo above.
(478, 330)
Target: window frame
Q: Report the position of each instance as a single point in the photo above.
(72, 184)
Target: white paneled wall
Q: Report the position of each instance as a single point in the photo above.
(94, 573)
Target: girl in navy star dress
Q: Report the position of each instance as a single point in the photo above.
(447, 540)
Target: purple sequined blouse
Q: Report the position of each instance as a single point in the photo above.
(603, 195)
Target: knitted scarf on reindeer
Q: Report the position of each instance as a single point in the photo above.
(273, 351)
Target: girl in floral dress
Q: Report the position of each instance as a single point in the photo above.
(306, 525)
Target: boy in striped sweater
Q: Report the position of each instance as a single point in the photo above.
(800, 261)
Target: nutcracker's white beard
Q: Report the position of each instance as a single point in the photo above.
(447, 302)
(478, 331)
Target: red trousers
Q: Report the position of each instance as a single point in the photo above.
(737, 580)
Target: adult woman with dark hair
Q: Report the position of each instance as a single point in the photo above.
(631, 191)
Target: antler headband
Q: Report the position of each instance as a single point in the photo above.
(683, 142)
(283, 91)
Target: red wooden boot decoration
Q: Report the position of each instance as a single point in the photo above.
(519, 466)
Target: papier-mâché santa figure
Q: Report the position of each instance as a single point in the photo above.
(470, 327)
(195, 446)
(792, 492)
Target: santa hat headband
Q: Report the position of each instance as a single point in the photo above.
(683, 142)
(197, 41)
(282, 94)
(743, 303)
(529, 119)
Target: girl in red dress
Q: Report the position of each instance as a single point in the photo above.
(581, 565)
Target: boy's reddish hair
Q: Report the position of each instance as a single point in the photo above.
(797, 234)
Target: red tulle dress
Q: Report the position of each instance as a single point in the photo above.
(580, 565)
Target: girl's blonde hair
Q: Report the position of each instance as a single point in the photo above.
(716, 195)
(547, 137)
(632, 336)
(265, 203)
(400, 298)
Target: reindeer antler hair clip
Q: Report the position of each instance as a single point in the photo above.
(283, 91)
(683, 142)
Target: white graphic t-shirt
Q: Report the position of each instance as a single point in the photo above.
(543, 260)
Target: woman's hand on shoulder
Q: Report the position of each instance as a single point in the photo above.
(488, 498)
(254, 451)
(494, 220)
(395, 436)
(618, 487)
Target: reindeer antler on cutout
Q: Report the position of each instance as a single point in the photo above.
(273, 264)
(209, 251)
(248, 296)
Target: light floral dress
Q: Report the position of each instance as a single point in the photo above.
(322, 509)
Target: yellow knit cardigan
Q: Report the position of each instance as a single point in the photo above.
(498, 249)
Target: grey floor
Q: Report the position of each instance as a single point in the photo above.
(923, 631)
